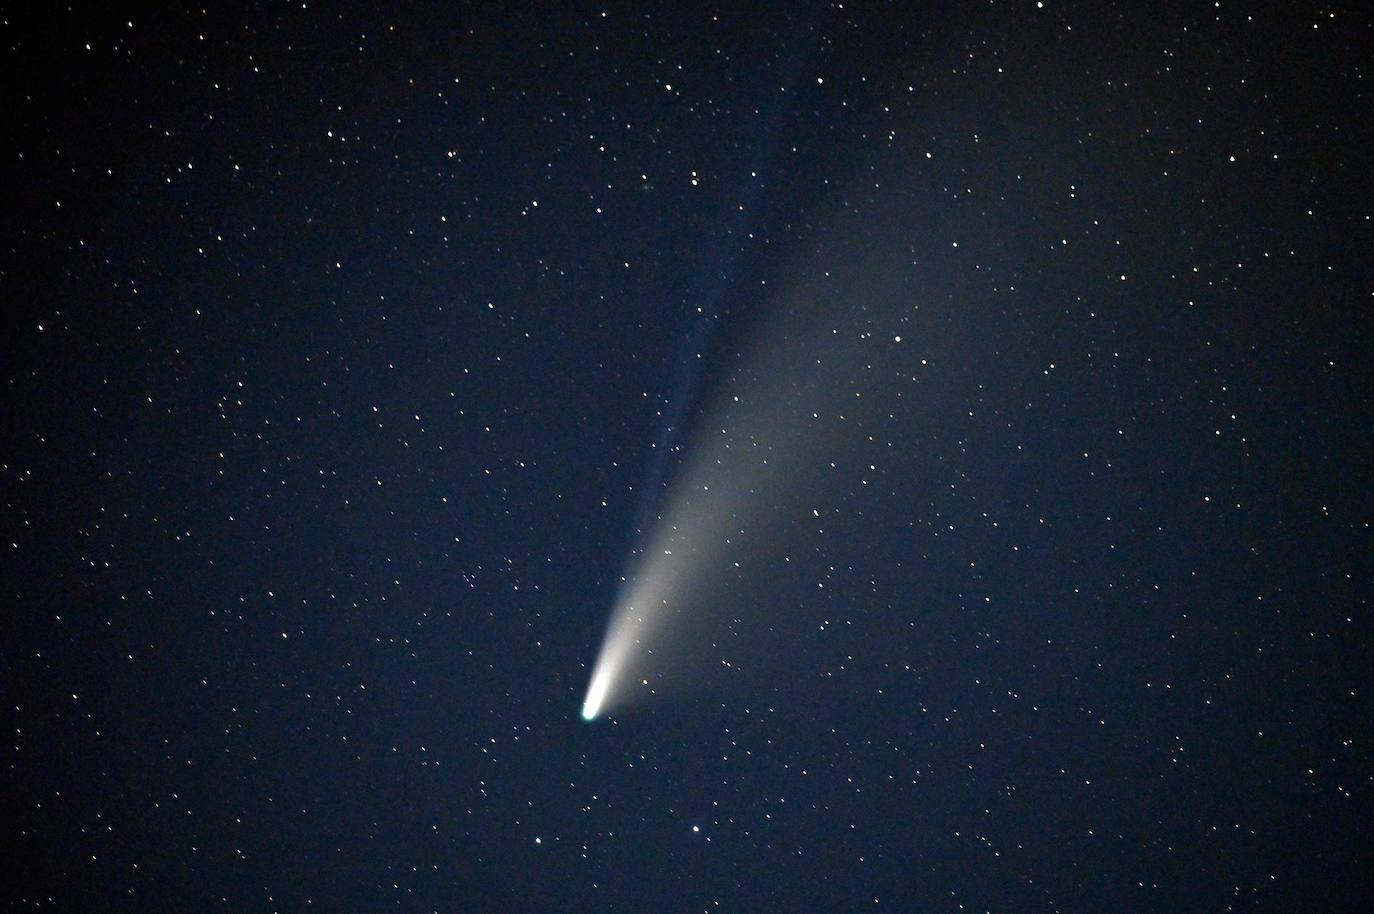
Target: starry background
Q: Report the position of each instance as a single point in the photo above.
(348, 354)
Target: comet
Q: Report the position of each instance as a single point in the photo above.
(784, 427)
(596, 691)
(675, 583)
(694, 600)
(624, 651)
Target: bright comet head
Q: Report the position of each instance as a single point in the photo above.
(596, 693)
(616, 654)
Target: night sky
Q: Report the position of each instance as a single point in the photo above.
(980, 392)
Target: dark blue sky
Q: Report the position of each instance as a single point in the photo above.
(349, 355)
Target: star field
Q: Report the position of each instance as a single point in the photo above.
(983, 390)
